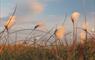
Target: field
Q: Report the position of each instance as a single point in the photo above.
(84, 51)
(47, 43)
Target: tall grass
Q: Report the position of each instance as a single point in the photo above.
(84, 51)
(52, 48)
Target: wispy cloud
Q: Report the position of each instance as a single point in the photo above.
(36, 6)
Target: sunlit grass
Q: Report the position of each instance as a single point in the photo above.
(51, 45)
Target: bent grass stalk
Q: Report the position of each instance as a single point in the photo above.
(29, 36)
(38, 25)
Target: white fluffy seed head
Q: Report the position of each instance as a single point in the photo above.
(60, 32)
(75, 16)
(10, 22)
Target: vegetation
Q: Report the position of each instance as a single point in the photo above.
(81, 49)
(84, 51)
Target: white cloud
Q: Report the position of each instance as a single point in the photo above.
(36, 6)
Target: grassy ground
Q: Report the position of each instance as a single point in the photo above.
(84, 51)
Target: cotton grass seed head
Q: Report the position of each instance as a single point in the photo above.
(85, 26)
(74, 17)
(10, 22)
(59, 33)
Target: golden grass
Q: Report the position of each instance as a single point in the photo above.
(10, 22)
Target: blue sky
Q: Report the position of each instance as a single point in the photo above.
(49, 11)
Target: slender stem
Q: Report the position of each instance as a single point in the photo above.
(49, 39)
(8, 37)
(86, 35)
(34, 43)
(73, 31)
(74, 35)
(76, 32)
(65, 41)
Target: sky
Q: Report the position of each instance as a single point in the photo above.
(51, 12)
